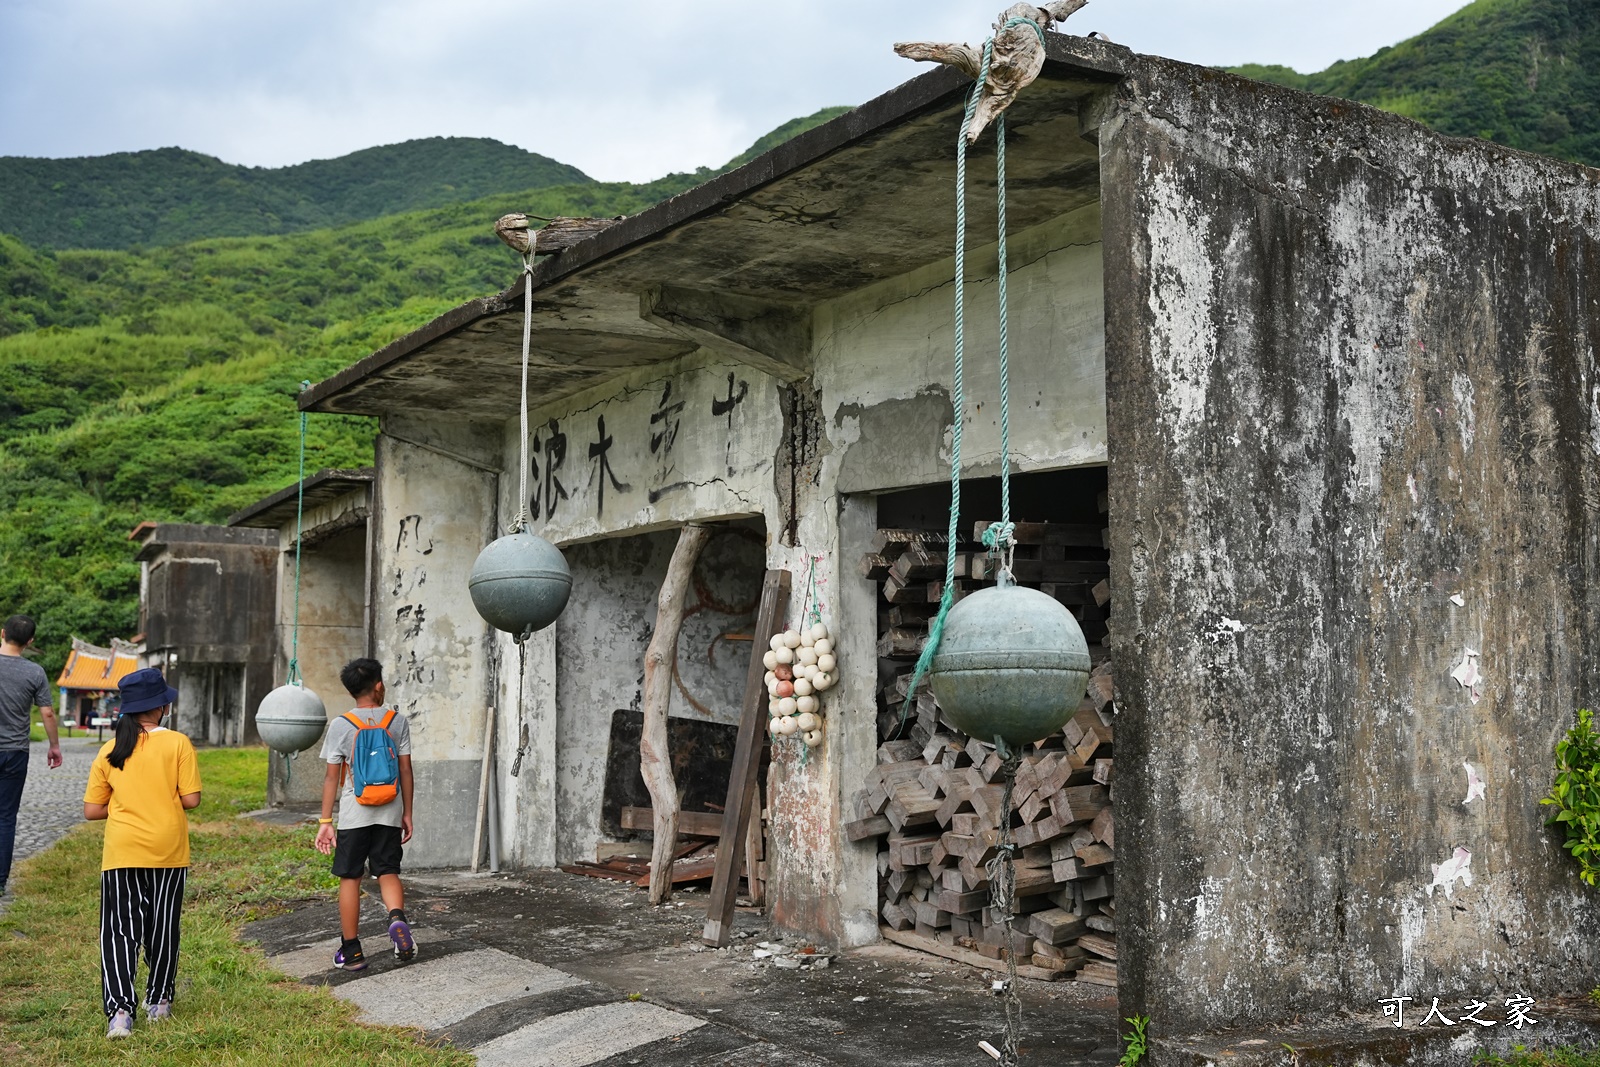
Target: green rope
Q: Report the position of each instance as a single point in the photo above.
(299, 521)
(999, 536)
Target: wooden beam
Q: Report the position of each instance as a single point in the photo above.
(692, 823)
(747, 753)
(655, 761)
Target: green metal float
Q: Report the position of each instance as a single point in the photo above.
(1012, 664)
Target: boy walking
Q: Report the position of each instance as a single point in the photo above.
(370, 743)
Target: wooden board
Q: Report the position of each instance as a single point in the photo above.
(967, 956)
(690, 823)
(747, 755)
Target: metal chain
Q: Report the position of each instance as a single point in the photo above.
(1002, 871)
(522, 715)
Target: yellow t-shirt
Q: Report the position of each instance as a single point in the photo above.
(146, 826)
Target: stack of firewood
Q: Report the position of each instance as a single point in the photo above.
(936, 796)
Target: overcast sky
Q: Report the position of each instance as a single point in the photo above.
(622, 91)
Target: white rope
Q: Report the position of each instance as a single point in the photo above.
(527, 340)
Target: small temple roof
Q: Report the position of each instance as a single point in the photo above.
(90, 667)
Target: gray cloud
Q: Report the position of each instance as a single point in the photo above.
(618, 95)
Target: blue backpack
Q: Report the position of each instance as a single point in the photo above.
(374, 766)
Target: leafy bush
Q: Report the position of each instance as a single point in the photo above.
(1576, 795)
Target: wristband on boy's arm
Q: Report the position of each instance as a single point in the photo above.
(325, 822)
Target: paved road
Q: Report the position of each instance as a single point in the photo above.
(52, 800)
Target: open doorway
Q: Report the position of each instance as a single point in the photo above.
(603, 807)
(934, 801)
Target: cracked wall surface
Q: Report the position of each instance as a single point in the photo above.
(434, 509)
(1351, 379)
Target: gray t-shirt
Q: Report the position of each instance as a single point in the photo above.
(23, 687)
(339, 746)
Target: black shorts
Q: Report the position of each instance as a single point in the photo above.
(376, 847)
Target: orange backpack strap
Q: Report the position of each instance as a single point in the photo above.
(387, 719)
(350, 717)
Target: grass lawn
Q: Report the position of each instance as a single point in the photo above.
(230, 1008)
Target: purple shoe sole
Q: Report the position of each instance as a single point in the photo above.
(357, 964)
(405, 947)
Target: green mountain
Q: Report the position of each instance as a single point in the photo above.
(160, 383)
(1523, 73)
(170, 195)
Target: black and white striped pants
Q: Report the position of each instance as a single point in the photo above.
(139, 908)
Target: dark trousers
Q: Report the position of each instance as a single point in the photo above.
(13, 773)
(139, 908)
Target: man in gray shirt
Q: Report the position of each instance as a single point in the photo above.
(23, 687)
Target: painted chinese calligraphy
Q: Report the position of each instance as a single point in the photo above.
(551, 492)
(1519, 1013)
(598, 453)
(725, 406)
(664, 422)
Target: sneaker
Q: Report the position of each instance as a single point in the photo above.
(158, 1011)
(354, 960)
(405, 947)
(121, 1025)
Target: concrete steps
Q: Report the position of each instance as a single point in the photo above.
(513, 1012)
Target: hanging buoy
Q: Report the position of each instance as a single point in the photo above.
(291, 719)
(520, 583)
(1012, 664)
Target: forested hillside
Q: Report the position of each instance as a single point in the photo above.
(1523, 73)
(169, 195)
(159, 384)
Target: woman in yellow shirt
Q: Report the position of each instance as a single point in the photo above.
(141, 783)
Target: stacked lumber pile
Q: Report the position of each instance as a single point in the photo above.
(935, 798)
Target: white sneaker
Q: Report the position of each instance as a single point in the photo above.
(159, 1011)
(121, 1025)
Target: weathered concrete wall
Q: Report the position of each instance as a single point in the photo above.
(1351, 376)
(333, 631)
(434, 508)
(884, 370)
(654, 450)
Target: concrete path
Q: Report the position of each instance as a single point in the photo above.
(546, 969)
(52, 800)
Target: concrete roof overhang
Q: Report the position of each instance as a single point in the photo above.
(275, 510)
(743, 257)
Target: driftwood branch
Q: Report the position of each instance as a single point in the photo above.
(555, 235)
(966, 59)
(1016, 61)
(655, 761)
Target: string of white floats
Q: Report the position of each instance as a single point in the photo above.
(801, 666)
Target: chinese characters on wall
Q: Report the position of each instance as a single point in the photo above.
(629, 450)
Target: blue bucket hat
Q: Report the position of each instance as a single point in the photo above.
(144, 690)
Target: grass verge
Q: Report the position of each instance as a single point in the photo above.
(231, 1008)
(1554, 1057)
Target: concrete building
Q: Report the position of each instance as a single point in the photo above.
(1338, 377)
(333, 599)
(206, 610)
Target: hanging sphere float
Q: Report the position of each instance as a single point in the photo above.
(291, 719)
(520, 583)
(1012, 663)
